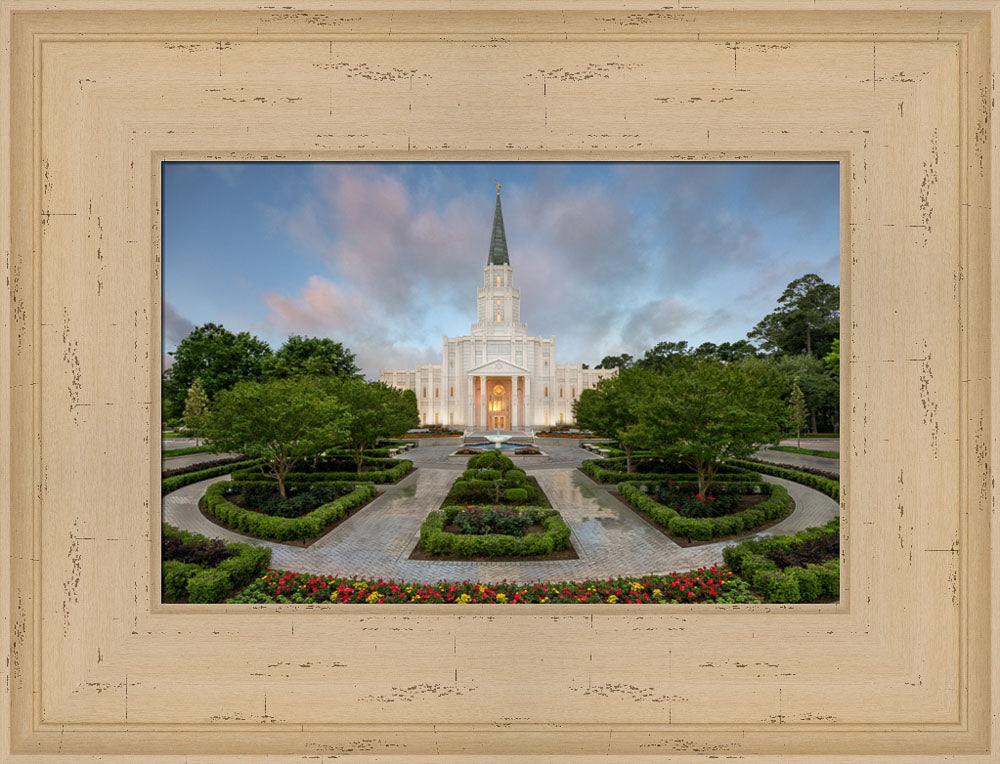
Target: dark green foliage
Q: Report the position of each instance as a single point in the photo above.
(208, 553)
(775, 586)
(722, 499)
(703, 529)
(281, 528)
(299, 499)
(807, 319)
(435, 540)
(390, 471)
(613, 471)
(202, 583)
(479, 521)
(489, 460)
(830, 487)
(516, 495)
(311, 356)
(179, 481)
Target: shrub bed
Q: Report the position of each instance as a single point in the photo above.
(280, 528)
(299, 499)
(491, 477)
(172, 481)
(200, 574)
(707, 528)
(758, 561)
(823, 484)
(704, 585)
(330, 471)
(612, 470)
(435, 540)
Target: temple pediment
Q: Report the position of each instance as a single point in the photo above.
(498, 367)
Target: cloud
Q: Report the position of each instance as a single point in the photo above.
(175, 326)
(668, 317)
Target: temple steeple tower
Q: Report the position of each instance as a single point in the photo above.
(499, 303)
(498, 242)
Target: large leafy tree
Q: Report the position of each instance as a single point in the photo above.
(218, 358)
(196, 409)
(622, 361)
(664, 356)
(311, 356)
(377, 411)
(282, 421)
(797, 412)
(612, 408)
(807, 319)
(710, 411)
(820, 387)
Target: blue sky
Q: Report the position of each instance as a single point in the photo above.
(386, 257)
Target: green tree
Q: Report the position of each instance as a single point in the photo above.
(613, 406)
(807, 319)
(377, 412)
(710, 411)
(216, 356)
(820, 387)
(283, 421)
(622, 361)
(664, 356)
(797, 410)
(196, 409)
(832, 359)
(311, 356)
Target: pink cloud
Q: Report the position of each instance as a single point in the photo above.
(321, 305)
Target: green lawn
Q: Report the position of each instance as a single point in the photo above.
(185, 451)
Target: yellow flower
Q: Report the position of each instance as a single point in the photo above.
(464, 599)
(373, 598)
(657, 594)
(612, 599)
(501, 597)
(544, 599)
(636, 585)
(361, 585)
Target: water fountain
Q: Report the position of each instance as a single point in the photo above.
(497, 439)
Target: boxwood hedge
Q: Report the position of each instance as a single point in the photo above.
(435, 540)
(392, 470)
(613, 471)
(830, 487)
(200, 584)
(179, 481)
(707, 528)
(796, 583)
(281, 528)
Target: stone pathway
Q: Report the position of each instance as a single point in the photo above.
(173, 462)
(799, 460)
(610, 538)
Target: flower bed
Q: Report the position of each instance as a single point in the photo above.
(328, 471)
(755, 562)
(299, 499)
(707, 528)
(206, 570)
(704, 585)
(280, 528)
(613, 471)
(435, 540)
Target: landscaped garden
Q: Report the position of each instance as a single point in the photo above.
(199, 569)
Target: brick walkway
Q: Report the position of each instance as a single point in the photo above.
(610, 538)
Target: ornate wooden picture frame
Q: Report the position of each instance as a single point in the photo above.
(901, 93)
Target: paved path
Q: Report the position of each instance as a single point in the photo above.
(816, 444)
(169, 443)
(610, 539)
(799, 460)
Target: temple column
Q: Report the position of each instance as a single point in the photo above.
(470, 407)
(527, 401)
(484, 405)
(514, 420)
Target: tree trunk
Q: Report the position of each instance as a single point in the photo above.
(812, 419)
(809, 346)
(359, 457)
(628, 458)
(281, 483)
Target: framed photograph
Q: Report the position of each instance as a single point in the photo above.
(116, 649)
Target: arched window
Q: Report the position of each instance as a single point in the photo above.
(546, 394)
(451, 391)
(498, 279)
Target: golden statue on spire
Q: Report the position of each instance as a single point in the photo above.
(498, 188)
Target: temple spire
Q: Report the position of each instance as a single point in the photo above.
(498, 242)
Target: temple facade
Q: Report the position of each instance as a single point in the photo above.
(497, 377)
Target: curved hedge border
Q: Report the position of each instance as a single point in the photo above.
(391, 475)
(434, 539)
(595, 468)
(793, 584)
(202, 585)
(179, 481)
(707, 528)
(281, 528)
(830, 487)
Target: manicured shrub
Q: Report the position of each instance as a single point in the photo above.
(167, 485)
(176, 575)
(478, 521)
(391, 471)
(808, 582)
(828, 575)
(281, 528)
(489, 460)
(516, 495)
(515, 477)
(776, 586)
(830, 487)
(613, 471)
(436, 541)
(212, 585)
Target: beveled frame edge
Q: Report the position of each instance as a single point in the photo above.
(995, 537)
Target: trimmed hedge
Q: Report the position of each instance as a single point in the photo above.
(394, 469)
(796, 583)
(604, 471)
(179, 481)
(280, 528)
(830, 487)
(204, 585)
(435, 540)
(707, 528)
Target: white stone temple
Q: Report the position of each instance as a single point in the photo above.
(497, 377)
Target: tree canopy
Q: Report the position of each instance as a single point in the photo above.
(807, 319)
(283, 421)
(613, 408)
(377, 411)
(218, 358)
(311, 356)
(710, 411)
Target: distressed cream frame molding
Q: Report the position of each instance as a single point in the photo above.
(100, 92)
